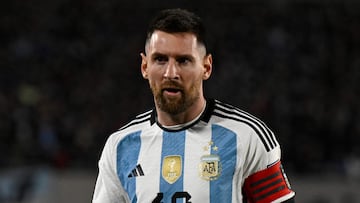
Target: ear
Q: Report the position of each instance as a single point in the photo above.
(207, 66)
(144, 66)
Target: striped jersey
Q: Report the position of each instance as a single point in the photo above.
(226, 155)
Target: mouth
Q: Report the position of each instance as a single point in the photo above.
(171, 91)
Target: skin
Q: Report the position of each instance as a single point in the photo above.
(176, 65)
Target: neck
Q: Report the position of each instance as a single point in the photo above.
(191, 113)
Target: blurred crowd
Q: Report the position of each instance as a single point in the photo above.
(69, 76)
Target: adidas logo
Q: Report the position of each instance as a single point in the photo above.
(137, 171)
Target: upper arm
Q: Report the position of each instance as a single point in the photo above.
(108, 187)
(268, 185)
(265, 179)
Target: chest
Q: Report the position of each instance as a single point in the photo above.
(199, 164)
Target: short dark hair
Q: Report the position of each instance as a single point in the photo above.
(176, 21)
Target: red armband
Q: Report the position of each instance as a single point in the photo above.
(268, 185)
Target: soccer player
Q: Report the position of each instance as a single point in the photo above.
(188, 148)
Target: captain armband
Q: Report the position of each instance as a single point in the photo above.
(268, 185)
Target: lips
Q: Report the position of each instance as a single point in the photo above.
(172, 90)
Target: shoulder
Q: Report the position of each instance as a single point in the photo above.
(139, 121)
(257, 142)
(244, 121)
(231, 112)
(138, 124)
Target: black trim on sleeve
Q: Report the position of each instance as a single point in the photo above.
(292, 200)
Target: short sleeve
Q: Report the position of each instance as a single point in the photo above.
(108, 188)
(268, 185)
(265, 178)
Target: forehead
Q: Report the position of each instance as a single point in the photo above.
(172, 43)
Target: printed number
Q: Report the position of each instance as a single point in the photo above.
(175, 196)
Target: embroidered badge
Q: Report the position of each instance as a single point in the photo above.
(210, 165)
(171, 168)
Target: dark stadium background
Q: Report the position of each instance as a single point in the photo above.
(69, 76)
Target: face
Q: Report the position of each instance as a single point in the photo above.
(175, 66)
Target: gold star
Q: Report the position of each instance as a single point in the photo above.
(211, 143)
(215, 148)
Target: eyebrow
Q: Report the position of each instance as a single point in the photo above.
(177, 56)
(156, 54)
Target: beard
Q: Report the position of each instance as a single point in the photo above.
(175, 105)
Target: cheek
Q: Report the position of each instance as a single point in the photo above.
(151, 83)
(193, 83)
(154, 83)
(195, 77)
(153, 78)
(155, 74)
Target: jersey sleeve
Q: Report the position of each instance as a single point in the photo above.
(265, 179)
(108, 188)
(268, 185)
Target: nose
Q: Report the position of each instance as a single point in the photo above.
(171, 71)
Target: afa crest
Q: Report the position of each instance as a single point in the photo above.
(172, 168)
(210, 167)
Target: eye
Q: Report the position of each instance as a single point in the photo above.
(160, 59)
(183, 60)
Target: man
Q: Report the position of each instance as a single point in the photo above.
(188, 149)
